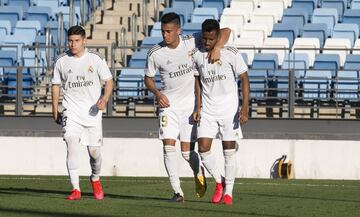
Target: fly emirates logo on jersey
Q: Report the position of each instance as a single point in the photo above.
(183, 69)
(212, 77)
(80, 82)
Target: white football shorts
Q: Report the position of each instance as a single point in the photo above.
(88, 136)
(177, 125)
(226, 129)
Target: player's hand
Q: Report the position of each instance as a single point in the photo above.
(196, 116)
(101, 103)
(244, 114)
(214, 55)
(163, 100)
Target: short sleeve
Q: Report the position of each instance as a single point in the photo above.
(151, 68)
(56, 76)
(239, 65)
(104, 71)
(195, 64)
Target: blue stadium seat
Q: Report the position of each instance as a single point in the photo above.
(138, 58)
(218, 4)
(346, 30)
(7, 58)
(11, 83)
(33, 65)
(263, 68)
(191, 28)
(329, 16)
(305, 5)
(297, 61)
(347, 86)
(30, 28)
(352, 16)
(352, 62)
(65, 10)
(40, 13)
(53, 25)
(5, 28)
(355, 4)
(11, 13)
(317, 85)
(156, 30)
(130, 83)
(282, 83)
(25, 4)
(327, 62)
(285, 30)
(16, 42)
(295, 17)
(47, 3)
(201, 14)
(148, 42)
(339, 5)
(188, 5)
(315, 30)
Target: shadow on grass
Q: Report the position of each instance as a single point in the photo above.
(300, 197)
(47, 193)
(32, 212)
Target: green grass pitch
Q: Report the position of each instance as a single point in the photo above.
(142, 196)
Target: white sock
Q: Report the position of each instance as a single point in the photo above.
(72, 162)
(194, 161)
(170, 160)
(95, 162)
(74, 179)
(209, 161)
(230, 170)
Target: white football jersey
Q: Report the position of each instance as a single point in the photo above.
(220, 98)
(176, 71)
(80, 79)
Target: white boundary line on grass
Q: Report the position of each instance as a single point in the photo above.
(183, 181)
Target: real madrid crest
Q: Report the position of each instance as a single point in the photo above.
(90, 69)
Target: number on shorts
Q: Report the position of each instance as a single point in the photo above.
(164, 121)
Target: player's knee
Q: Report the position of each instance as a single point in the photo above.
(203, 149)
(186, 155)
(71, 140)
(94, 152)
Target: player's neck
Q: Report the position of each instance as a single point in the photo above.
(80, 54)
(175, 44)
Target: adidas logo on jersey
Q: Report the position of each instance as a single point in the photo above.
(69, 72)
(168, 62)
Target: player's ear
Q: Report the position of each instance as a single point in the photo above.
(178, 30)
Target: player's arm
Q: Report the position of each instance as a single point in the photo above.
(108, 89)
(55, 94)
(196, 114)
(214, 54)
(244, 112)
(161, 98)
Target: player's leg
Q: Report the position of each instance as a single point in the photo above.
(230, 170)
(188, 139)
(230, 134)
(168, 133)
(94, 150)
(72, 138)
(207, 130)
